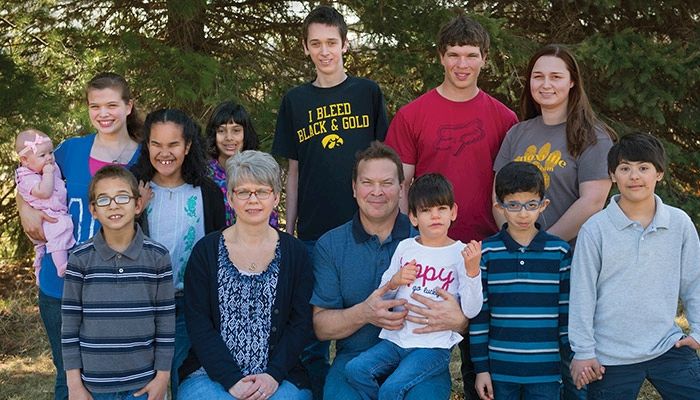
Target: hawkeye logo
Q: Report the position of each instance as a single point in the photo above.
(332, 141)
(545, 159)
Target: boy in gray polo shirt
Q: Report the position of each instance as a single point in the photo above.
(633, 262)
(118, 308)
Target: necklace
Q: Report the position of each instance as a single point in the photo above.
(252, 267)
(115, 160)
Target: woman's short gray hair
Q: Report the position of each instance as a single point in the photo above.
(253, 166)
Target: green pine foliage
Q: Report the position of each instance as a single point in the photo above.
(641, 62)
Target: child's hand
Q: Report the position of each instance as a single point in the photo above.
(472, 258)
(484, 387)
(157, 387)
(79, 394)
(688, 341)
(49, 168)
(584, 372)
(404, 276)
(145, 192)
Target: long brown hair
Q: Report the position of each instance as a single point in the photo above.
(581, 121)
(110, 80)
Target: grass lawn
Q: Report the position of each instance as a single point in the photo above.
(26, 371)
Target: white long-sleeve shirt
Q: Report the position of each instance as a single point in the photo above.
(438, 267)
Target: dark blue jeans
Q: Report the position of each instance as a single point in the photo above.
(316, 357)
(50, 311)
(125, 395)
(531, 391)
(675, 375)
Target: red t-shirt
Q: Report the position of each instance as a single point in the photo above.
(459, 140)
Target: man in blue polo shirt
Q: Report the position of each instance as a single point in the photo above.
(348, 265)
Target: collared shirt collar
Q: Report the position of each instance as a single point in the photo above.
(537, 243)
(400, 231)
(132, 252)
(621, 221)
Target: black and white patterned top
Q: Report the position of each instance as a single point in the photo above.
(245, 305)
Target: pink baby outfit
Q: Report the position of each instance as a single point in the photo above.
(59, 235)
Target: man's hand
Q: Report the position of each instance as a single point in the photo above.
(157, 387)
(584, 372)
(437, 316)
(484, 387)
(376, 310)
(404, 276)
(472, 257)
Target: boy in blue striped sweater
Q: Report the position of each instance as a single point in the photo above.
(515, 338)
(118, 307)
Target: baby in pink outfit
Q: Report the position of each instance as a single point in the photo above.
(40, 184)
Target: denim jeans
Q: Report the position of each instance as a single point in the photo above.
(316, 356)
(182, 344)
(403, 369)
(50, 311)
(198, 386)
(337, 387)
(530, 391)
(568, 386)
(675, 375)
(126, 395)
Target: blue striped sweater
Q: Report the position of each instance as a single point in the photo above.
(517, 334)
(118, 314)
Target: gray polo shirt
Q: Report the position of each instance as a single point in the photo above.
(626, 281)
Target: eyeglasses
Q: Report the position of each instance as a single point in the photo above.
(105, 201)
(516, 206)
(260, 194)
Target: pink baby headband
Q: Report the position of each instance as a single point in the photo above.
(32, 144)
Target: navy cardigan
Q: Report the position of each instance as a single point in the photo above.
(291, 326)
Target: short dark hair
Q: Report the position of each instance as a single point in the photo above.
(325, 15)
(639, 147)
(463, 31)
(113, 171)
(519, 177)
(378, 150)
(430, 190)
(226, 113)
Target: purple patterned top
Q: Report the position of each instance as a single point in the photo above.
(218, 174)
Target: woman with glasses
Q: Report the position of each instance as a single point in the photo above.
(562, 136)
(185, 206)
(248, 290)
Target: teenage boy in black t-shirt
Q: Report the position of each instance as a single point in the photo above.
(321, 125)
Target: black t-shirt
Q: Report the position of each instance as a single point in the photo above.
(323, 129)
